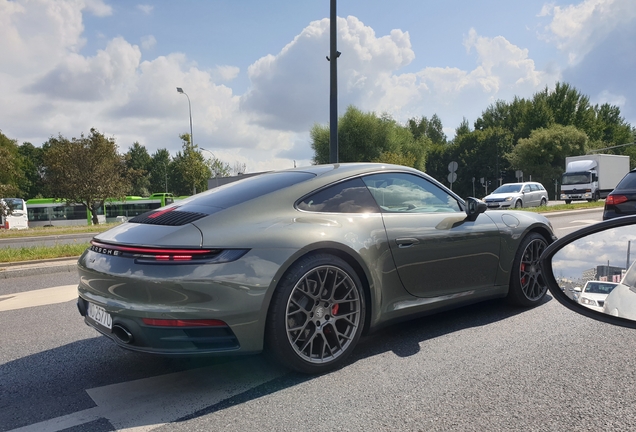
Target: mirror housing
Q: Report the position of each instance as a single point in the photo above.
(474, 207)
(600, 229)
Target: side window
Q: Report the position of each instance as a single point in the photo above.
(408, 193)
(351, 196)
(535, 188)
(526, 188)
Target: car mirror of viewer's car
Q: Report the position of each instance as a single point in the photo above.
(599, 257)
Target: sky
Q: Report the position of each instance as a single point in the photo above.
(256, 75)
(609, 246)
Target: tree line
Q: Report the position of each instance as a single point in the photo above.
(532, 135)
(89, 169)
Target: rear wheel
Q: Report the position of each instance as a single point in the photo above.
(316, 315)
(527, 286)
(543, 202)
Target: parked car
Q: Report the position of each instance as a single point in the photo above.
(622, 200)
(593, 294)
(517, 195)
(302, 262)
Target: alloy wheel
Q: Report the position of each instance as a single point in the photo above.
(323, 314)
(530, 277)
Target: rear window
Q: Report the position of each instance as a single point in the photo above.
(248, 188)
(628, 182)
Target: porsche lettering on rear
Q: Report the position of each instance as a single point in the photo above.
(105, 251)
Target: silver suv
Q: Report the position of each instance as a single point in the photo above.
(517, 195)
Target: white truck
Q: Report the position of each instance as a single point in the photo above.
(592, 177)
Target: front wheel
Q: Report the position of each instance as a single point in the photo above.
(568, 201)
(527, 286)
(518, 204)
(316, 315)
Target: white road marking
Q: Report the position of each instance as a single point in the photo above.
(145, 404)
(41, 297)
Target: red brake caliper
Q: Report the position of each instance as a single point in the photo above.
(523, 269)
(334, 309)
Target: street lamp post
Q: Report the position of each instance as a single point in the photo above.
(216, 174)
(180, 90)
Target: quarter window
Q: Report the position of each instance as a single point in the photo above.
(351, 196)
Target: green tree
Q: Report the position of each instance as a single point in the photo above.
(543, 154)
(481, 154)
(160, 170)
(32, 167)
(11, 168)
(138, 163)
(365, 137)
(424, 127)
(86, 170)
(189, 168)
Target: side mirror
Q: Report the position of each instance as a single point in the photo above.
(595, 262)
(474, 207)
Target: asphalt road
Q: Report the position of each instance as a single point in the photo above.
(484, 367)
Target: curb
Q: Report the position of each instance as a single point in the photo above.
(31, 268)
(560, 213)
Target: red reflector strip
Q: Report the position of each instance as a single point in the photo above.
(159, 213)
(183, 323)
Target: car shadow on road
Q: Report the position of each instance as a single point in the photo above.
(56, 380)
(403, 339)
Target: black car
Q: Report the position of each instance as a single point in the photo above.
(622, 200)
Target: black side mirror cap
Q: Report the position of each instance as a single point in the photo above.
(474, 207)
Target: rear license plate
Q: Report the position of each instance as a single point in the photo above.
(100, 316)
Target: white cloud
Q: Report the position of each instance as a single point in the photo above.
(50, 86)
(577, 29)
(225, 73)
(148, 42)
(613, 99)
(147, 9)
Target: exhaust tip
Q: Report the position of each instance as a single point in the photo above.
(122, 333)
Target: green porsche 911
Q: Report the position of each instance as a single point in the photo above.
(302, 262)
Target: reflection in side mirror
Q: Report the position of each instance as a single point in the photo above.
(592, 271)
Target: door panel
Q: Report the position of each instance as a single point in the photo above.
(439, 254)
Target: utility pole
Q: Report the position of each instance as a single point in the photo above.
(333, 86)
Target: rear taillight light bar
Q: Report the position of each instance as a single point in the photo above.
(148, 255)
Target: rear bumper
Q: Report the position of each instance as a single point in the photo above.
(132, 334)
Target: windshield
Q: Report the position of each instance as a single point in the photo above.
(575, 178)
(508, 188)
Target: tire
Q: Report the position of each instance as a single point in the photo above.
(518, 204)
(316, 315)
(568, 201)
(527, 286)
(543, 202)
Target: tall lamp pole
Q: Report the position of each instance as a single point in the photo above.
(180, 90)
(333, 85)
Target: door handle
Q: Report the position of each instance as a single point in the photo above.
(406, 242)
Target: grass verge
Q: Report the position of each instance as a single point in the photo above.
(58, 230)
(9, 255)
(564, 207)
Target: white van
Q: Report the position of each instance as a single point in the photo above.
(13, 214)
